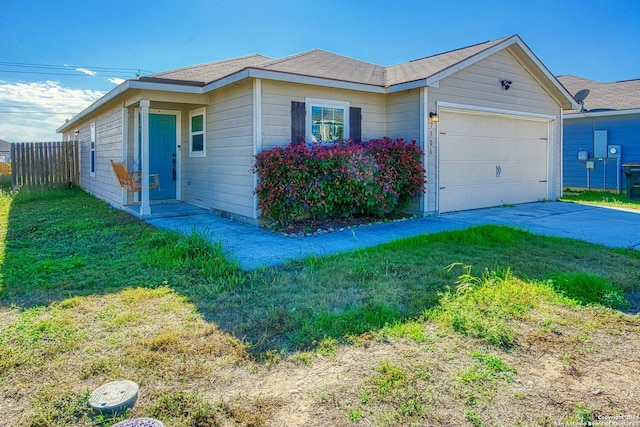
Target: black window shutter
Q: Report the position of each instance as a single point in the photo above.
(355, 124)
(298, 113)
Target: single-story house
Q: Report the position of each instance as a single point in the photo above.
(5, 151)
(488, 116)
(602, 134)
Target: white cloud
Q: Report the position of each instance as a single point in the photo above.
(32, 112)
(87, 72)
(116, 80)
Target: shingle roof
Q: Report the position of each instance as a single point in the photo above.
(206, 73)
(329, 69)
(323, 64)
(327, 65)
(624, 95)
(431, 65)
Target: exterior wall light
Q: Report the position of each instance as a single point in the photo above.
(434, 117)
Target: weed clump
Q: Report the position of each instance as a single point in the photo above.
(484, 306)
(586, 288)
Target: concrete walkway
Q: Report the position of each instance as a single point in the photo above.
(254, 247)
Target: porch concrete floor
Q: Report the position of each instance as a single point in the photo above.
(168, 209)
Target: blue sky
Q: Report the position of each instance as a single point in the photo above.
(57, 57)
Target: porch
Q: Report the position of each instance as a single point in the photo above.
(165, 209)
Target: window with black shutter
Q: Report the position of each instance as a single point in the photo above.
(327, 121)
(298, 115)
(355, 124)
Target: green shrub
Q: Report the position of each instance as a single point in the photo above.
(343, 179)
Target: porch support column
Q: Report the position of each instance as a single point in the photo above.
(257, 135)
(145, 209)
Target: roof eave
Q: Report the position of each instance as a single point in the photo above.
(112, 94)
(127, 86)
(567, 101)
(587, 114)
(258, 73)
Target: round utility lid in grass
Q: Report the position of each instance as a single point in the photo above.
(139, 422)
(115, 397)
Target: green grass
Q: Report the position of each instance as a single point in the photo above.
(600, 198)
(89, 294)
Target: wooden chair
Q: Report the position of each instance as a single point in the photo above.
(131, 180)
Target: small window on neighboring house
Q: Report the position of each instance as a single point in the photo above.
(92, 150)
(197, 132)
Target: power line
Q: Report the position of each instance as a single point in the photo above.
(39, 112)
(71, 67)
(74, 73)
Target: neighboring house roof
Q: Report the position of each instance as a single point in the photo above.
(610, 98)
(319, 67)
(5, 145)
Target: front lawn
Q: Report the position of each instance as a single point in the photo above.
(600, 198)
(487, 326)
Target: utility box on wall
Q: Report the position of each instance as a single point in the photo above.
(600, 144)
(614, 151)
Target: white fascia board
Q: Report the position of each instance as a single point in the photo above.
(464, 108)
(225, 81)
(470, 61)
(165, 87)
(113, 93)
(291, 78)
(122, 88)
(410, 85)
(546, 72)
(584, 115)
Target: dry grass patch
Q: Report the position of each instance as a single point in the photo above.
(387, 336)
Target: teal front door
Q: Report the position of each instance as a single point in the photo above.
(162, 155)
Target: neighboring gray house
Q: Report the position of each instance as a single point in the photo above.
(605, 130)
(5, 151)
(489, 117)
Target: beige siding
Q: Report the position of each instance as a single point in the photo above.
(479, 85)
(108, 146)
(223, 180)
(403, 115)
(276, 109)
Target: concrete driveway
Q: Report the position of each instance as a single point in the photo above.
(254, 248)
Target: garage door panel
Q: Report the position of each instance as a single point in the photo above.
(488, 160)
(467, 172)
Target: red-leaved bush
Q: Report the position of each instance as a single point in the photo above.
(343, 179)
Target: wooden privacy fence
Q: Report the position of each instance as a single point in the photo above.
(5, 168)
(44, 164)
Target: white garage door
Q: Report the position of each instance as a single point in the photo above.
(491, 160)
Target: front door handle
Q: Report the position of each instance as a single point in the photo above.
(173, 169)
